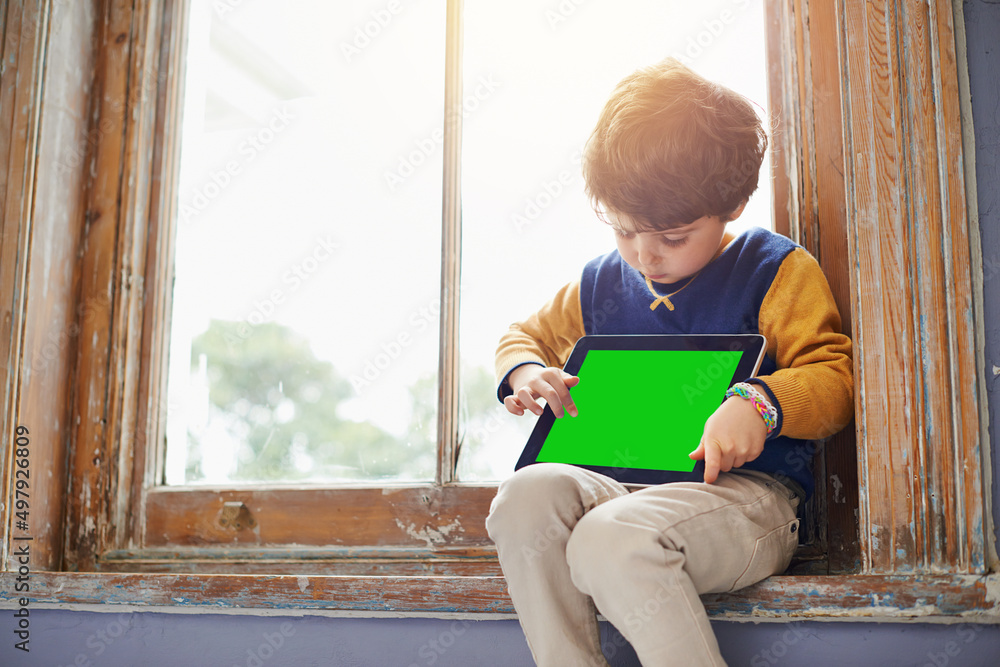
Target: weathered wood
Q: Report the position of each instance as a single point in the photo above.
(922, 492)
(430, 516)
(863, 596)
(36, 267)
(51, 317)
(113, 280)
(138, 216)
(18, 78)
(285, 516)
(810, 207)
(825, 235)
(148, 444)
(910, 291)
(93, 461)
(783, 107)
(449, 362)
(392, 561)
(848, 597)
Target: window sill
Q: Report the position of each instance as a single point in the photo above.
(851, 597)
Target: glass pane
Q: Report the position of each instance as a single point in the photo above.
(303, 342)
(528, 227)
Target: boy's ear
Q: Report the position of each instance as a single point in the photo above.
(737, 211)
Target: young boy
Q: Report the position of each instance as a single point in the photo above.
(673, 158)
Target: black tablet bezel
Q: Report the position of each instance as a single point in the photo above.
(752, 346)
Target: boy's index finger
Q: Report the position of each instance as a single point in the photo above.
(713, 461)
(568, 403)
(565, 401)
(556, 380)
(571, 408)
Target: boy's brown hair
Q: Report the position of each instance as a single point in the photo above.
(671, 147)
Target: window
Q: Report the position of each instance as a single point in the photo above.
(305, 302)
(289, 287)
(526, 218)
(898, 257)
(310, 192)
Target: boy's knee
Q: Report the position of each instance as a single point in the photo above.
(530, 494)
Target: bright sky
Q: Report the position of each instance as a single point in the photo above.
(328, 116)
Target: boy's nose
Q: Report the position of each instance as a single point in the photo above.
(646, 252)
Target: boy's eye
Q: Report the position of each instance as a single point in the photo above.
(673, 243)
(623, 234)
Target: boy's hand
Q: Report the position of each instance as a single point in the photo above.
(531, 381)
(734, 435)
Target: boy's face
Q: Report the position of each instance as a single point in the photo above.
(671, 255)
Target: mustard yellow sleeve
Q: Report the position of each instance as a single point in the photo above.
(814, 383)
(545, 338)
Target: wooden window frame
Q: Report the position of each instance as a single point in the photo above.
(896, 242)
(435, 527)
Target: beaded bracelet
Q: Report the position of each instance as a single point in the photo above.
(759, 402)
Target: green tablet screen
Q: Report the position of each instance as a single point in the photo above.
(641, 408)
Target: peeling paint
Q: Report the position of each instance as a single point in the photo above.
(429, 535)
(303, 583)
(941, 599)
(992, 591)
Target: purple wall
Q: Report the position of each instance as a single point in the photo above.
(60, 637)
(982, 25)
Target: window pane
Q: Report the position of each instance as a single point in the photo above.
(303, 344)
(527, 226)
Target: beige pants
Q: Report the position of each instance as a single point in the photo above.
(569, 539)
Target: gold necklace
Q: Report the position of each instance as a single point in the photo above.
(665, 300)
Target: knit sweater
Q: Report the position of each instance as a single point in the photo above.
(760, 282)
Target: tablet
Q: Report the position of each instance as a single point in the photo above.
(642, 404)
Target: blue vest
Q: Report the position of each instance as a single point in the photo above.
(725, 298)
